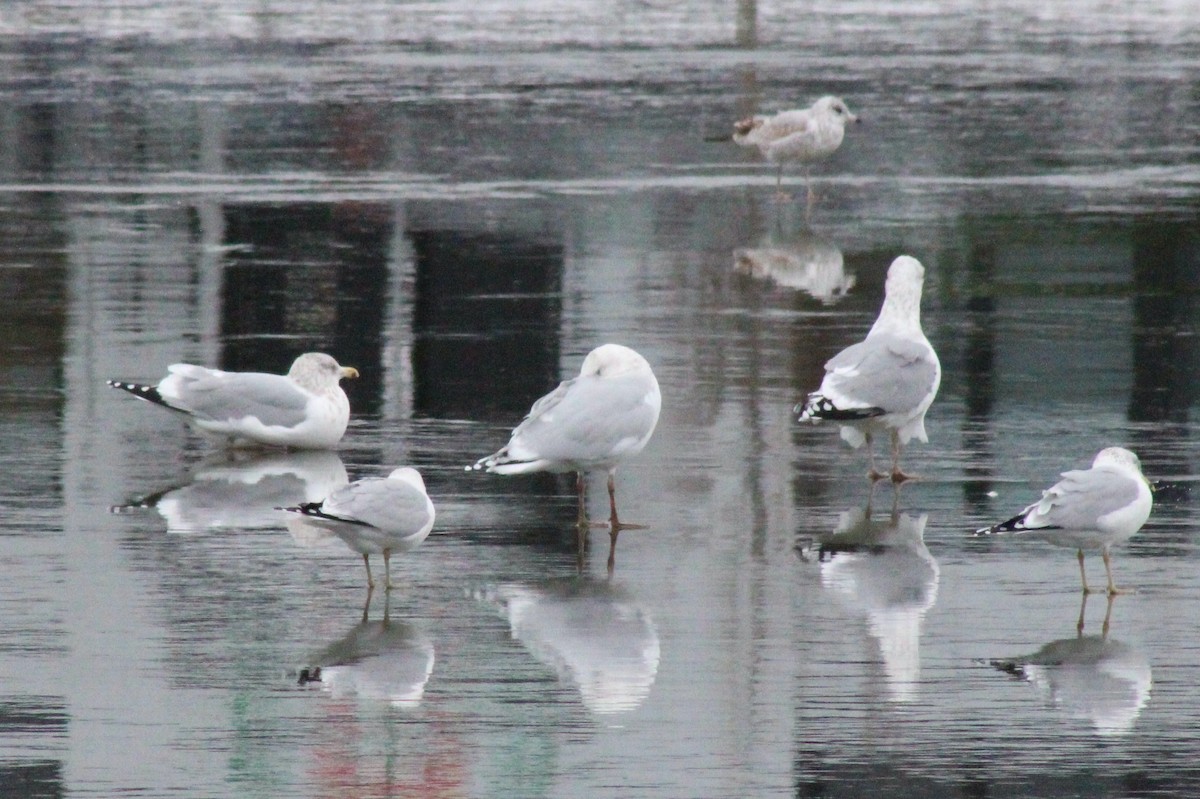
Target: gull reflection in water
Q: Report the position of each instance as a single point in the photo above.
(590, 632)
(882, 568)
(377, 661)
(1089, 677)
(239, 490)
(804, 261)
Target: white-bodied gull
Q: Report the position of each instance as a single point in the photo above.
(888, 380)
(304, 409)
(590, 422)
(1088, 509)
(375, 515)
(799, 136)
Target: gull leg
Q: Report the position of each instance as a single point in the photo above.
(387, 570)
(581, 494)
(367, 563)
(898, 476)
(614, 523)
(808, 188)
(872, 473)
(1112, 588)
(780, 194)
(1083, 574)
(581, 525)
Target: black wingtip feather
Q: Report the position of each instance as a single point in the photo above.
(141, 391)
(819, 406)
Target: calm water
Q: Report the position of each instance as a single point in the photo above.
(461, 201)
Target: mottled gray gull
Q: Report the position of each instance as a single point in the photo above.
(798, 136)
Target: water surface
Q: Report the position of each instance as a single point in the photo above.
(461, 202)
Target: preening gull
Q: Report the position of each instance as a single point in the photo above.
(375, 515)
(305, 409)
(590, 422)
(798, 136)
(888, 380)
(1088, 509)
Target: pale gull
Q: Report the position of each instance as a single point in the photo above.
(798, 136)
(888, 380)
(590, 422)
(1088, 509)
(375, 515)
(304, 409)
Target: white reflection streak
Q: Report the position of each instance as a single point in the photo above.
(883, 569)
(807, 263)
(590, 634)
(241, 492)
(378, 661)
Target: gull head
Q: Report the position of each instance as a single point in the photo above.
(905, 277)
(612, 360)
(1117, 456)
(317, 371)
(834, 108)
(407, 474)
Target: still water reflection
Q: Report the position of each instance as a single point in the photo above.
(462, 202)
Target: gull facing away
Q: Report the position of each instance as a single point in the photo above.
(373, 516)
(590, 422)
(1088, 509)
(888, 380)
(798, 136)
(304, 409)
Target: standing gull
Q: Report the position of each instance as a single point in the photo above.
(375, 515)
(593, 421)
(305, 409)
(888, 380)
(1088, 509)
(801, 136)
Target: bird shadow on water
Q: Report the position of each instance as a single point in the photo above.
(1092, 678)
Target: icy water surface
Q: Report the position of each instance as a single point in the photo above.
(461, 200)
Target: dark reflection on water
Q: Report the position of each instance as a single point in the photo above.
(463, 219)
(486, 316)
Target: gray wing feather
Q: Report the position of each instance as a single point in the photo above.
(884, 371)
(387, 504)
(273, 399)
(1083, 496)
(584, 418)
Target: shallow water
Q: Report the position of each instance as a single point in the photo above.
(461, 202)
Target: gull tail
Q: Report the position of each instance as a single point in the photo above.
(818, 407)
(501, 463)
(1017, 524)
(142, 391)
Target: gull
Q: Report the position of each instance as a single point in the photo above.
(304, 409)
(888, 380)
(1088, 509)
(375, 515)
(590, 422)
(801, 136)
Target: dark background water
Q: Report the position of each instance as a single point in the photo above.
(461, 200)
